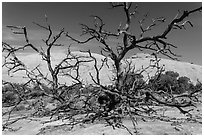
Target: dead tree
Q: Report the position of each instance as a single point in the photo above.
(70, 63)
(158, 44)
(120, 97)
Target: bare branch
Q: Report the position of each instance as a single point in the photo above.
(80, 42)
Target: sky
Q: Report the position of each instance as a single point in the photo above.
(69, 16)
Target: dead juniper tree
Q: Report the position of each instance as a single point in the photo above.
(66, 67)
(129, 96)
(121, 91)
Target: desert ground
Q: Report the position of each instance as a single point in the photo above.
(168, 121)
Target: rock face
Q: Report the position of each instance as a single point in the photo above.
(192, 71)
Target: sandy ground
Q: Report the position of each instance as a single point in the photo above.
(178, 125)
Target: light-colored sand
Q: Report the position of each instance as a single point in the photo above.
(148, 127)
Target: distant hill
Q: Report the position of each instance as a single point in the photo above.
(192, 71)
